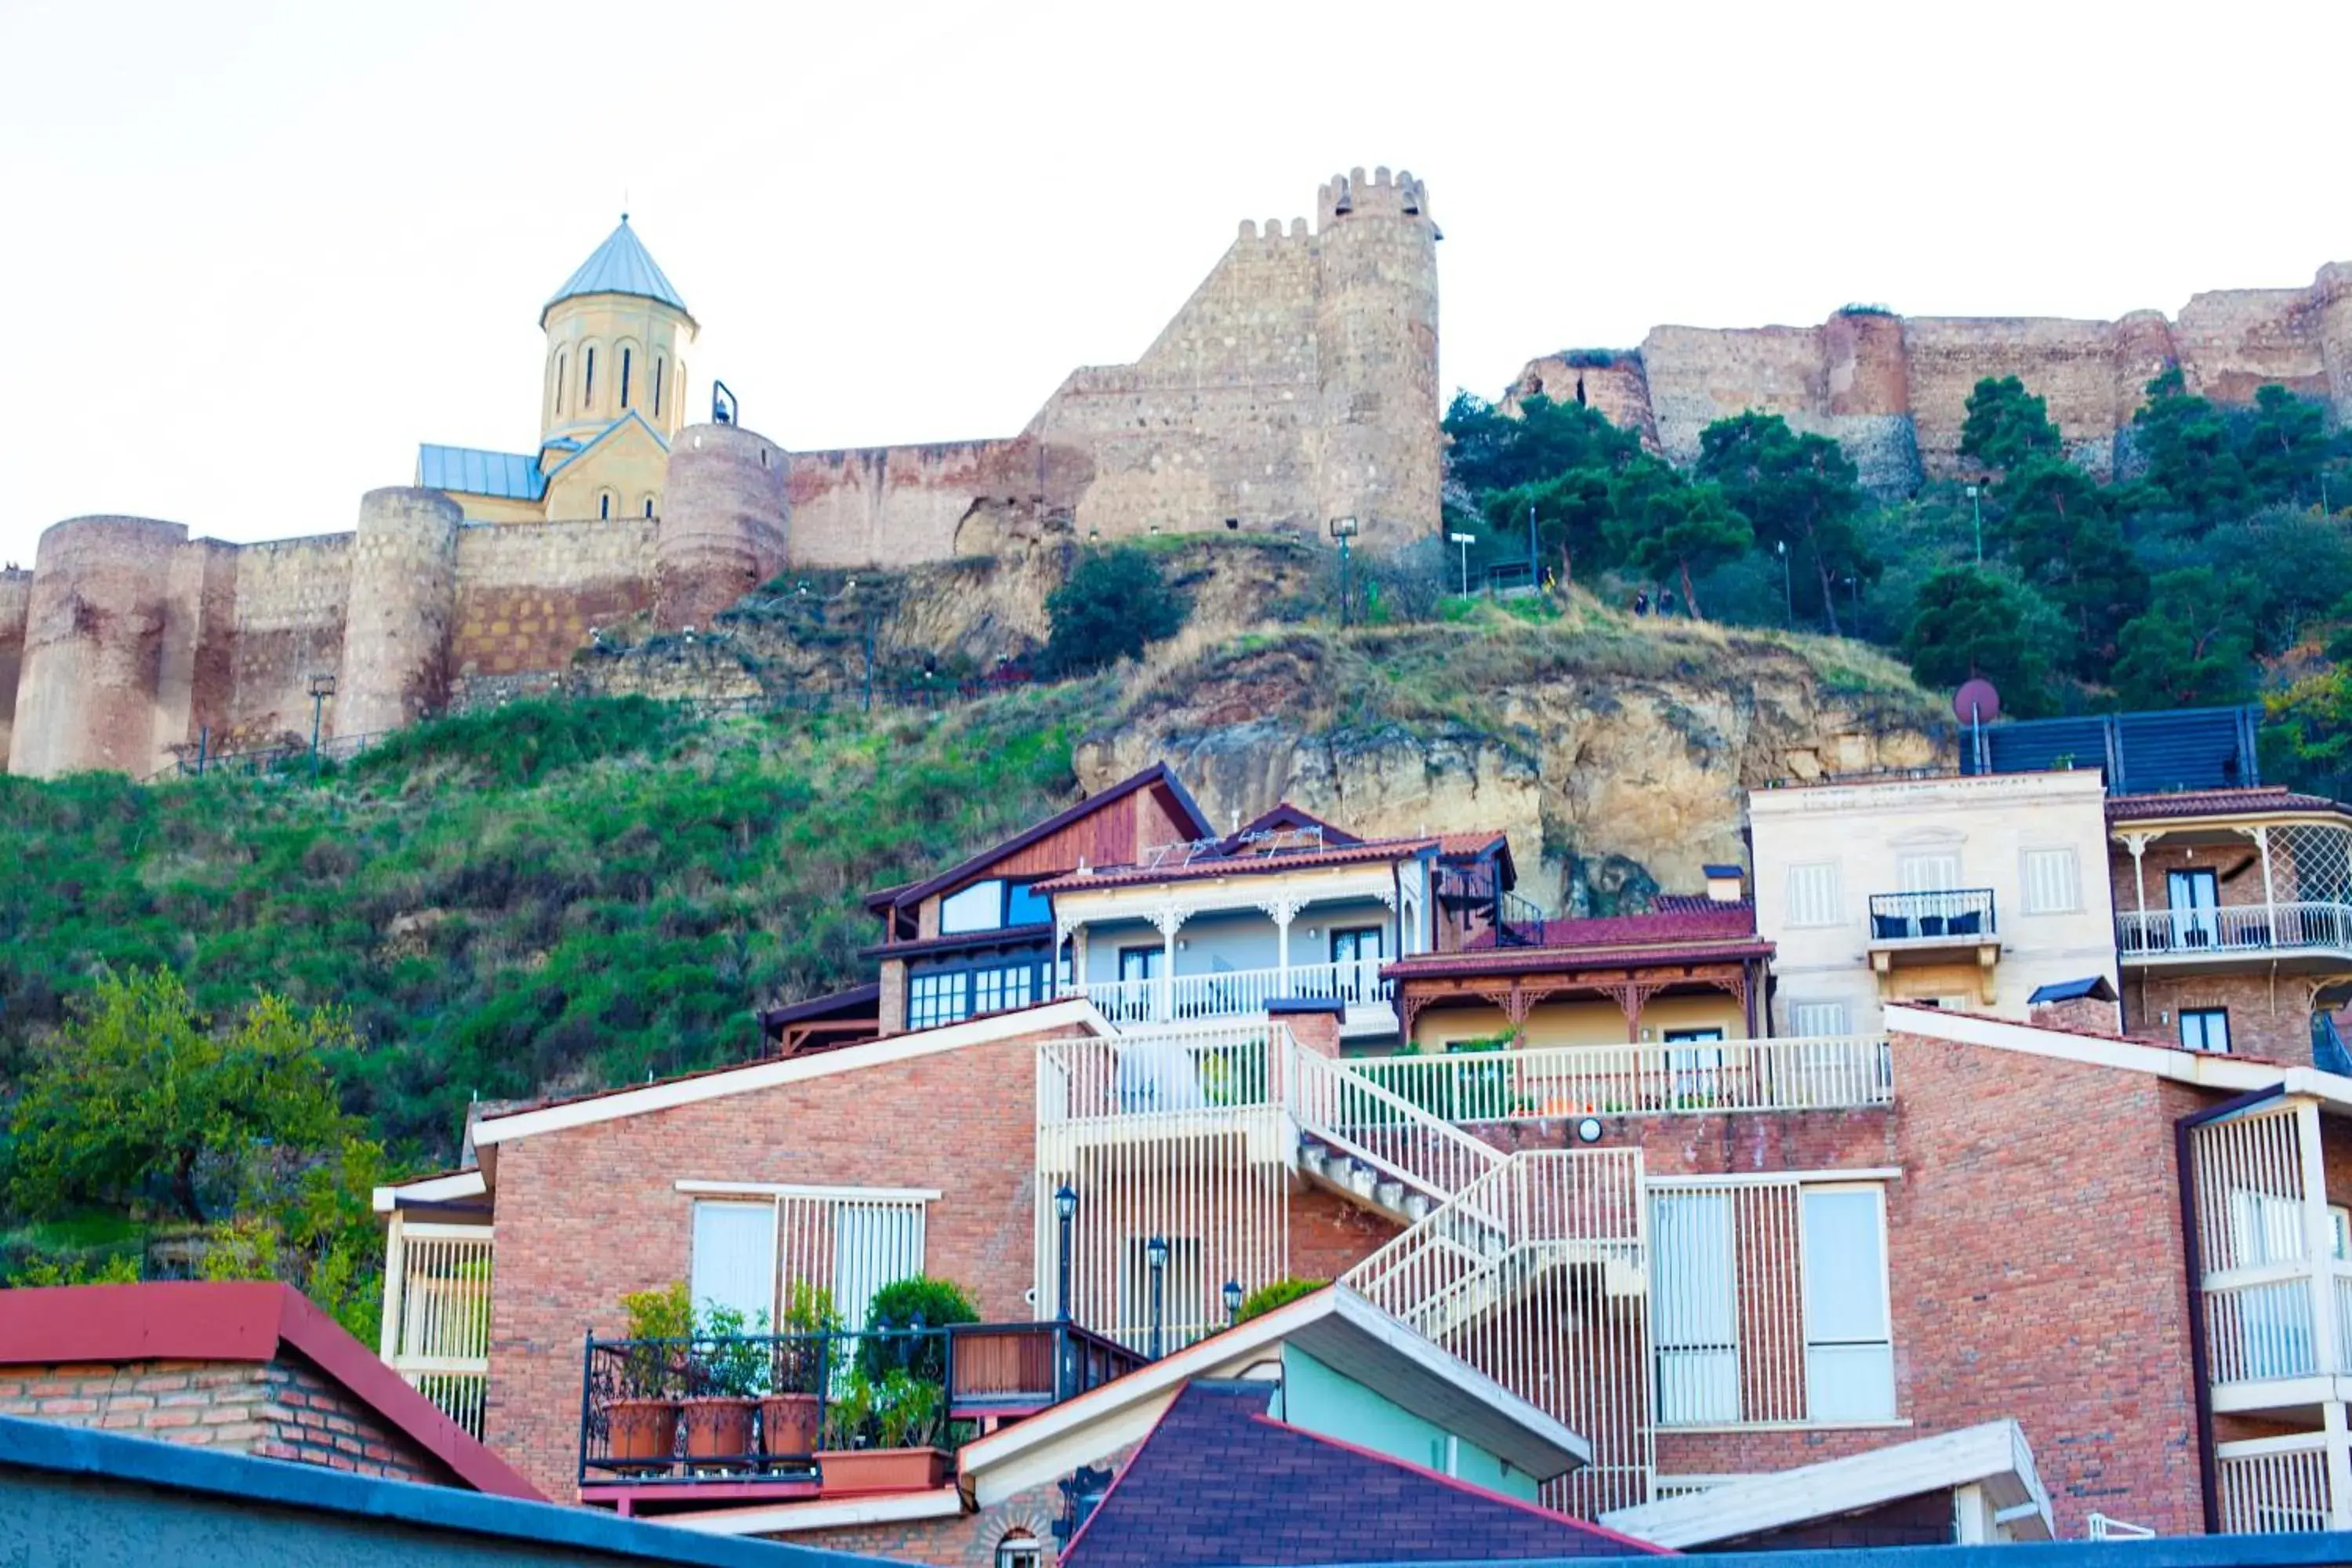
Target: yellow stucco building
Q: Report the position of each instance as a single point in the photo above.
(612, 398)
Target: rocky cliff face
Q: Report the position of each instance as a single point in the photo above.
(1616, 762)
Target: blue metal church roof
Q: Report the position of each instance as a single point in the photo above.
(621, 265)
(511, 476)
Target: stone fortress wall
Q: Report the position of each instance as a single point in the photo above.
(1298, 384)
(1894, 390)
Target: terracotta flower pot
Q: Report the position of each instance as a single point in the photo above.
(718, 1426)
(641, 1429)
(851, 1470)
(788, 1424)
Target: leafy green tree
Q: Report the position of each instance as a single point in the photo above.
(2191, 457)
(1797, 492)
(2007, 426)
(2306, 739)
(2282, 566)
(2058, 531)
(1973, 624)
(2284, 446)
(1678, 530)
(2193, 647)
(139, 1094)
(1113, 602)
(1571, 511)
(1488, 450)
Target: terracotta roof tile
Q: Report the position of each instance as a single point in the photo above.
(1242, 863)
(2218, 803)
(1715, 922)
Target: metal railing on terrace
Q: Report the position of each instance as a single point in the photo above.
(2235, 928)
(436, 1315)
(1233, 993)
(727, 1408)
(1940, 915)
(1811, 1073)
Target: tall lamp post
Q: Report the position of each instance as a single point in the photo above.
(1066, 1209)
(321, 687)
(1464, 540)
(1975, 509)
(1788, 584)
(1155, 1252)
(1343, 529)
(1532, 580)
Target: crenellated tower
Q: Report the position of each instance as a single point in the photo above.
(1377, 459)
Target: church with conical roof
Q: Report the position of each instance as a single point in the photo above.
(612, 399)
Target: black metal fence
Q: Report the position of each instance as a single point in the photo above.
(731, 1408)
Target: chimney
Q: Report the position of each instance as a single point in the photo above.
(1726, 884)
(2088, 1005)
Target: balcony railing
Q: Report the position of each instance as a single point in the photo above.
(732, 1409)
(2271, 1485)
(1235, 993)
(1951, 914)
(2234, 928)
(436, 1315)
(1813, 1073)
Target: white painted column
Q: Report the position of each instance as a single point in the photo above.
(2262, 834)
(395, 1278)
(2318, 1239)
(1170, 920)
(2339, 1465)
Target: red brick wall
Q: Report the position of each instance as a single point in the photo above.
(589, 1214)
(281, 1409)
(2268, 1019)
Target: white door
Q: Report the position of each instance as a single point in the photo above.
(735, 1261)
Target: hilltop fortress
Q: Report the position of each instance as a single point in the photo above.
(1297, 384)
(1894, 390)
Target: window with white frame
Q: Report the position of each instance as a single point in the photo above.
(1019, 1549)
(1929, 871)
(1818, 1018)
(753, 1244)
(1813, 898)
(1849, 1348)
(2053, 884)
(1694, 1308)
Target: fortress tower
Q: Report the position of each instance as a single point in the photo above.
(403, 598)
(1376, 351)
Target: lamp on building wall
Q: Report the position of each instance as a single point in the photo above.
(1232, 1301)
(1066, 1209)
(321, 687)
(1155, 1252)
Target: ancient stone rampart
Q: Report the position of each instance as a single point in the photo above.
(724, 522)
(94, 645)
(404, 603)
(293, 597)
(1894, 390)
(529, 594)
(16, 604)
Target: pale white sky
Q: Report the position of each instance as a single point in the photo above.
(253, 253)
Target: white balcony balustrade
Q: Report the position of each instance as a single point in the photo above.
(2271, 1485)
(436, 1314)
(1235, 993)
(2150, 934)
(1811, 1073)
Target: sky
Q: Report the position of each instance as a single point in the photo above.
(252, 254)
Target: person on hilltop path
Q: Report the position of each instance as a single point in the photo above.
(1642, 602)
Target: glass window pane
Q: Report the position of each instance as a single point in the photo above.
(980, 906)
(1845, 1267)
(1850, 1383)
(1695, 1327)
(1027, 907)
(735, 1257)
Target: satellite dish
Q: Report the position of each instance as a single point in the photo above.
(1975, 702)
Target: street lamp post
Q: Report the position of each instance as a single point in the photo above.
(1532, 580)
(1066, 1209)
(1464, 540)
(1343, 529)
(1976, 508)
(1788, 584)
(321, 687)
(1155, 1251)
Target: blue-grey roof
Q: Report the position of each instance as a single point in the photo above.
(621, 265)
(512, 476)
(2093, 985)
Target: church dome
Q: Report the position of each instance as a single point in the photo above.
(622, 265)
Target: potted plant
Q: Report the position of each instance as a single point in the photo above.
(883, 1437)
(729, 1374)
(641, 1420)
(793, 1407)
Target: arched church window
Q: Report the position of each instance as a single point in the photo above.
(658, 372)
(588, 382)
(627, 365)
(563, 370)
(649, 506)
(604, 504)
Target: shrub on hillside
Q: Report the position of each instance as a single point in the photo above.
(1114, 602)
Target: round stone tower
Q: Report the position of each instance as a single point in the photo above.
(94, 646)
(725, 521)
(1376, 345)
(2332, 291)
(404, 600)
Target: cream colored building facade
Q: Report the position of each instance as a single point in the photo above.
(1966, 893)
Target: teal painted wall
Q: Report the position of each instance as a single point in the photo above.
(1324, 1401)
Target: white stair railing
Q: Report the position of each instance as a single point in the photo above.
(1696, 1078)
(1337, 1108)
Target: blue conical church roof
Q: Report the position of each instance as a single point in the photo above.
(621, 265)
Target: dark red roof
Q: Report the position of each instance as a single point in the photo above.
(1220, 1482)
(239, 1321)
(2218, 803)
(1242, 863)
(1712, 922)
